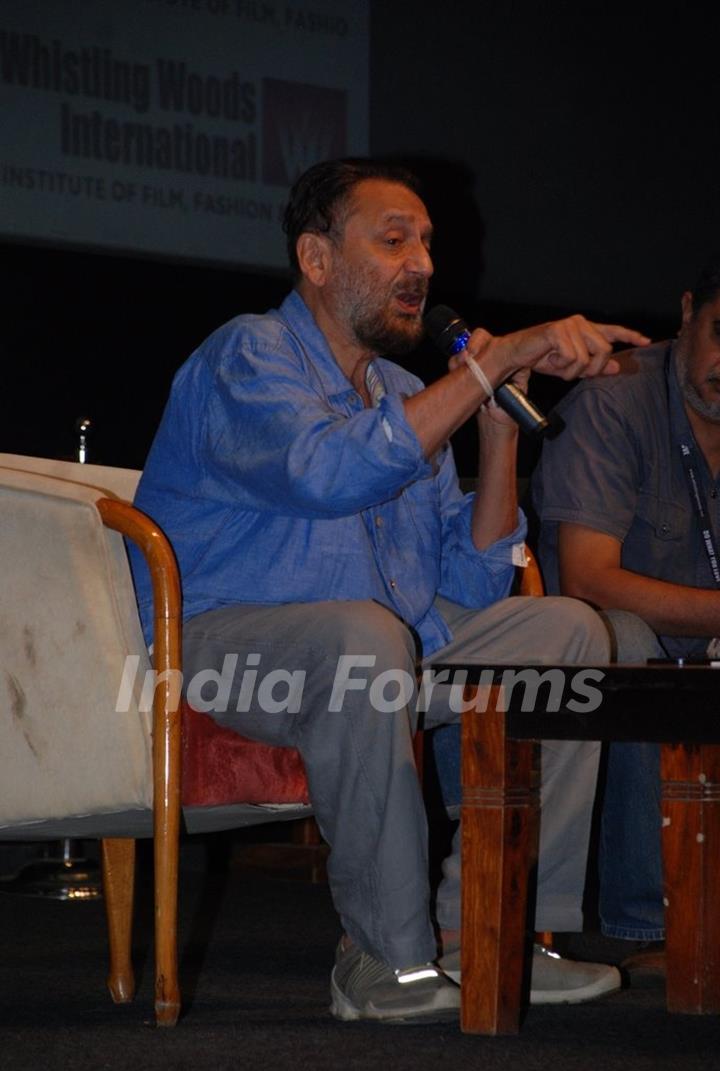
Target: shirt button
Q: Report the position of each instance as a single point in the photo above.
(393, 584)
(379, 522)
(664, 528)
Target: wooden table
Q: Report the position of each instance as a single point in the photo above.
(677, 706)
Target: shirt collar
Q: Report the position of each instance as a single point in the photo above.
(301, 323)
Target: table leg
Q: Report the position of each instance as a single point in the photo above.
(499, 844)
(691, 861)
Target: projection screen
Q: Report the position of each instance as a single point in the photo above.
(173, 127)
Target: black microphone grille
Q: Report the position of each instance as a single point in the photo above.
(444, 326)
(438, 319)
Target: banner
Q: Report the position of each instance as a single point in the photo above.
(173, 127)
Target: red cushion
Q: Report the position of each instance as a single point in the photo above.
(221, 767)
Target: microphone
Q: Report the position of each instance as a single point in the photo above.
(450, 334)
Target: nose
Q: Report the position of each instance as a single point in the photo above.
(419, 260)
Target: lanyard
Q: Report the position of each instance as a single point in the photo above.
(700, 506)
(688, 455)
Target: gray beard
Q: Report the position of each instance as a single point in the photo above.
(382, 337)
(709, 410)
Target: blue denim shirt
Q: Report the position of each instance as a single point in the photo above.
(275, 484)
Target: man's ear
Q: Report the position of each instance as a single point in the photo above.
(314, 255)
(687, 307)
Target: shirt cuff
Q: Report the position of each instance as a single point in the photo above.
(510, 550)
(402, 440)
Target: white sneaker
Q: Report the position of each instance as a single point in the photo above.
(554, 980)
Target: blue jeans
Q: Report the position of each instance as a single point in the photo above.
(630, 868)
(630, 864)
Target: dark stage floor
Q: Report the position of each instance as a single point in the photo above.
(256, 955)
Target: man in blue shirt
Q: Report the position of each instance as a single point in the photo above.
(307, 486)
(632, 486)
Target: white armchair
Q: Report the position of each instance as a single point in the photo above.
(70, 764)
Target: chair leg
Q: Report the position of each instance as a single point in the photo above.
(118, 866)
(167, 986)
(499, 843)
(691, 862)
(306, 835)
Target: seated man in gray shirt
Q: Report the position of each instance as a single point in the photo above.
(627, 496)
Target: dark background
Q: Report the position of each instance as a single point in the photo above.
(571, 156)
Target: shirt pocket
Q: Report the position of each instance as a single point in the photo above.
(667, 521)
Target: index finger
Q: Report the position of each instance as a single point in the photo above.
(618, 333)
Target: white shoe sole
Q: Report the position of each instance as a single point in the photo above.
(601, 987)
(608, 983)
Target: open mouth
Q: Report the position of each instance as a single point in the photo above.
(410, 302)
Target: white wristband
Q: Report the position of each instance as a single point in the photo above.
(481, 378)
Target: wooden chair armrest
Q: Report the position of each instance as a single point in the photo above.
(531, 582)
(167, 661)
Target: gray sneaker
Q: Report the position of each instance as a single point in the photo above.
(554, 980)
(364, 988)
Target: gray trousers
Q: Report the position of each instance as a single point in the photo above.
(337, 681)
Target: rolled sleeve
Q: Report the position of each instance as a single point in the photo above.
(275, 435)
(477, 578)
